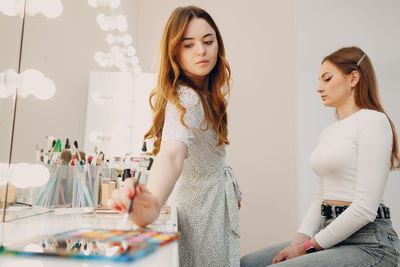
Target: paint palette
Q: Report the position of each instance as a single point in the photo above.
(101, 244)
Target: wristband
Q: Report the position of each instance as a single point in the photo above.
(308, 247)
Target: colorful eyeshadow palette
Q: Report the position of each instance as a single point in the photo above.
(115, 245)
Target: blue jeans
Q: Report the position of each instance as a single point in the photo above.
(375, 244)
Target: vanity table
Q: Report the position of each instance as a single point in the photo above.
(62, 220)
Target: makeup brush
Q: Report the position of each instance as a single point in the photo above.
(41, 156)
(150, 163)
(52, 150)
(49, 142)
(126, 215)
(66, 154)
(100, 158)
(77, 152)
(89, 160)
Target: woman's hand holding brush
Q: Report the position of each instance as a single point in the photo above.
(145, 207)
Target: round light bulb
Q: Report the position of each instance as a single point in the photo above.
(100, 59)
(46, 90)
(137, 69)
(92, 3)
(3, 89)
(135, 61)
(110, 38)
(22, 175)
(115, 49)
(111, 22)
(40, 175)
(121, 23)
(115, 3)
(127, 39)
(9, 81)
(98, 56)
(119, 58)
(109, 59)
(33, 7)
(30, 80)
(10, 7)
(131, 51)
(100, 19)
(123, 68)
(51, 8)
(6, 173)
(103, 3)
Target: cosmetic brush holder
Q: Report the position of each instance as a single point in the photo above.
(57, 193)
(86, 184)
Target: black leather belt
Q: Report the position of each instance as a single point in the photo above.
(334, 211)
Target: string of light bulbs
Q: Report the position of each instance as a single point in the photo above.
(121, 53)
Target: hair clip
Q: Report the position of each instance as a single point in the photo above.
(361, 59)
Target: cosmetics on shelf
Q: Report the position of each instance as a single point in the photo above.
(79, 179)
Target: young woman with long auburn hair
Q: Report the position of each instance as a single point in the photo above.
(347, 224)
(190, 132)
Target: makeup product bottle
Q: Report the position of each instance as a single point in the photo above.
(126, 174)
(100, 159)
(80, 155)
(120, 184)
(144, 149)
(51, 151)
(57, 151)
(127, 167)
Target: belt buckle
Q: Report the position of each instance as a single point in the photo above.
(381, 213)
(326, 211)
(388, 213)
(385, 212)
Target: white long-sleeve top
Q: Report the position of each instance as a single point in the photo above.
(352, 161)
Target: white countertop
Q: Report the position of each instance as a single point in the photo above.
(68, 219)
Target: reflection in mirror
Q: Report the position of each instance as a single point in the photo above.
(22, 84)
(10, 30)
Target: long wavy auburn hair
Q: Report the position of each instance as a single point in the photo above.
(366, 91)
(170, 76)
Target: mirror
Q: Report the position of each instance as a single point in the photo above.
(63, 50)
(91, 104)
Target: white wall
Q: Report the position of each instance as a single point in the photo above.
(321, 28)
(118, 113)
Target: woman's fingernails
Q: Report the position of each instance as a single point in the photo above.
(117, 207)
(130, 194)
(140, 189)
